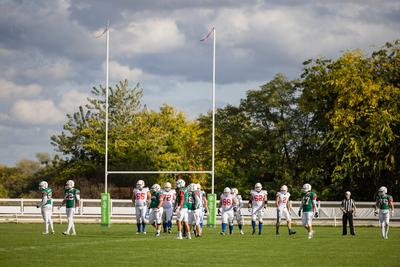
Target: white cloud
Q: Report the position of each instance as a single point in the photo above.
(148, 36)
(45, 111)
(60, 69)
(9, 89)
(120, 72)
(37, 112)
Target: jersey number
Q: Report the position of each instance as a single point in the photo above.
(140, 196)
(258, 198)
(70, 196)
(226, 202)
(167, 197)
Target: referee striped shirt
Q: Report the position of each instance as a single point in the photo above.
(348, 205)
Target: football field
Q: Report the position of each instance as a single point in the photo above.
(23, 245)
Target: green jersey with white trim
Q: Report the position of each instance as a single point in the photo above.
(71, 196)
(307, 200)
(46, 197)
(155, 199)
(384, 201)
(184, 192)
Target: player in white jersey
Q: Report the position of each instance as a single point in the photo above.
(46, 205)
(141, 197)
(226, 204)
(168, 206)
(257, 203)
(238, 210)
(196, 209)
(283, 207)
(204, 210)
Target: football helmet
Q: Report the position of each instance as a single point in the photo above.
(284, 189)
(382, 190)
(235, 191)
(306, 188)
(155, 187)
(167, 186)
(43, 185)
(227, 191)
(258, 187)
(140, 184)
(69, 184)
(198, 186)
(180, 183)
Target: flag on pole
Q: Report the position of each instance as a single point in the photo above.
(101, 34)
(207, 35)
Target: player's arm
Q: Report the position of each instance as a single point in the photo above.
(376, 206)
(300, 207)
(205, 204)
(391, 205)
(289, 205)
(265, 200)
(342, 207)
(354, 208)
(314, 204)
(64, 201)
(43, 201)
(235, 203)
(277, 200)
(181, 197)
(250, 202)
(148, 199)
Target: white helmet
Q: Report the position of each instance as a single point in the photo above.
(258, 187)
(306, 188)
(69, 184)
(180, 183)
(284, 189)
(192, 187)
(382, 190)
(227, 190)
(167, 186)
(235, 191)
(198, 186)
(140, 184)
(155, 187)
(43, 185)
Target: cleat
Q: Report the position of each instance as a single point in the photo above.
(292, 232)
(188, 237)
(144, 233)
(44, 233)
(277, 233)
(179, 237)
(241, 232)
(259, 233)
(169, 231)
(138, 233)
(53, 233)
(65, 233)
(254, 232)
(158, 234)
(73, 234)
(222, 233)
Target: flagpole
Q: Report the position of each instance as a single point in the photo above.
(213, 120)
(106, 153)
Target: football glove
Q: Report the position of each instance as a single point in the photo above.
(37, 206)
(299, 213)
(205, 211)
(219, 211)
(177, 209)
(316, 214)
(376, 212)
(249, 209)
(235, 209)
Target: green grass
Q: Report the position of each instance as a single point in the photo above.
(23, 245)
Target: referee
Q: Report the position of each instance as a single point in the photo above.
(348, 208)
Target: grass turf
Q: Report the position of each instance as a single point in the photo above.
(23, 245)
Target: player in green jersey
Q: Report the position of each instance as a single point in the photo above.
(71, 201)
(156, 210)
(181, 209)
(384, 203)
(308, 206)
(46, 205)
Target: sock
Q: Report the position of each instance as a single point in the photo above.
(223, 227)
(290, 230)
(138, 227)
(51, 226)
(180, 234)
(386, 230)
(260, 227)
(230, 228)
(169, 224)
(73, 227)
(240, 226)
(201, 225)
(144, 227)
(164, 225)
(253, 224)
(383, 231)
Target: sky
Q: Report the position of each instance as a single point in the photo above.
(50, 57)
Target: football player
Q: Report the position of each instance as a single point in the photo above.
(309, 208)
(168, 206)
(238, 212)
(226, 205)
(141, 197)
(257, 203)
(384, 203)
(181, 209)
(156, 210)
(195, 206)
(46, 205)
(204, 210)
(71, 200)
(283, 207)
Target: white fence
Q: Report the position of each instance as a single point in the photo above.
(122, 211)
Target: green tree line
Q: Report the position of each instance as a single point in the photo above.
(337, 126)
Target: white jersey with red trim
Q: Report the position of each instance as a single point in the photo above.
(168, 201)
(227, 202)
(283, 199)
(140, 196)
(258, 198)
